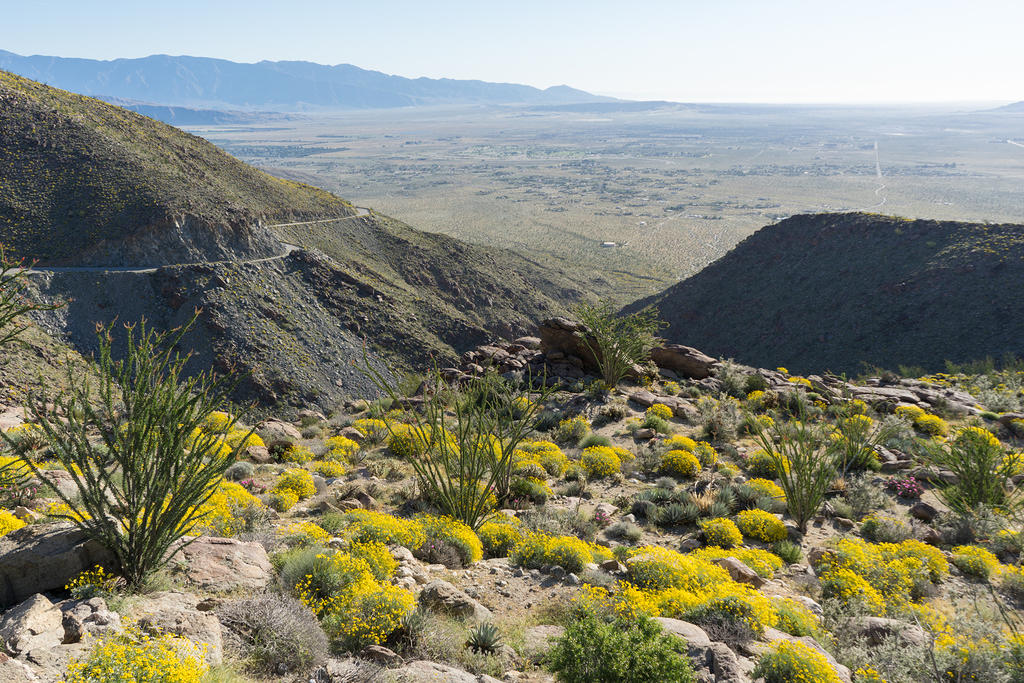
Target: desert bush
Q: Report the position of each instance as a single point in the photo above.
(239, 471)
(451, 532)
(595, 651)
(854, 441)
(720, 420)
(789, 552)
(976, 561)
(142, 491)
(789, 661)
(138, 657)
(471, 445)
(882, 528)
(761, 525)
(627, 531)
(721, 532)
(499, 535)
(979, 463)
(600, 462)
(273, 634)
(594, 440)
(803, 465)
(681, 464)
(368, 525)
(618, 342)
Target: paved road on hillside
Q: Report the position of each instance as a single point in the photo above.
(288, 249)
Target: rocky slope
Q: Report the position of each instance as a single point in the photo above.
(841, 291)
(287, 295)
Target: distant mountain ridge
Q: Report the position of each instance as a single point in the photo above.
(838, 291)
(207, 83)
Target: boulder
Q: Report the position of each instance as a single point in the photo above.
(923, 511)
(224, 564)
(879, 629)
(11, 417)
(538, 640)
(34, 623)
(691, 633)
(739, 572)
(422, 671)
(442, 596)
(90, 617)
(258, 454)
(380, 655)
(40, 558)
(683, 360)
(278, 433)
(176, 613)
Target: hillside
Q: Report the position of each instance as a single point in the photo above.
(288, 302)
(837, 291)
(85, 182)
(287, 86)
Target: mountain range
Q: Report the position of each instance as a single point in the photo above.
(207, 83)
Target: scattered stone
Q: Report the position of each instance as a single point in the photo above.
(176, 613)
(613, 566)
(278, 433)
(644, 434)
(879, 629)
(739, 572)
(683, 360)
(40, 558)
(33, 623)
(88, 618)
(442, 596)
(224, 564)
(422, 671)
(844, 523)
(923, 511)
(380, 655)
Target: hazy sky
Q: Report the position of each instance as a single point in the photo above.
(687, 50)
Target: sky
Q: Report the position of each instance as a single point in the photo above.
(860, 51)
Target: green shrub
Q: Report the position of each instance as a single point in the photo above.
(593, 651)
(572, 430)
(618, 342)
(792, 661)
(979, 463)
(272, 631)
(721, 532)
(140, 484)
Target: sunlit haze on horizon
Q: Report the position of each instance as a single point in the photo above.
(732, 51)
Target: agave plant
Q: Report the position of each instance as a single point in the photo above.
(484, 638)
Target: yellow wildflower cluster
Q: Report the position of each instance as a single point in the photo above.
(303, 533)
(867, 674)
(933, 425)
(659, 410)
(548, 455)
(139, 657)
(217, 422)
(721, 532)
(678, 463)
(680, 442)
(880, 575)
(802, 381)
(976, 561)
(354, 607)
(766, 487)
(219, 515)
(454, 533)
(534, 550)
(240, 439)
(329, 469)
(600, 461)
(794, 618)
(368, 525)
(382, 563)
(690, 587)
(573, 428)
(761, 561)
(791, 661)
(858, 422)
(340, 448)
(92, 583)
(762, 464)
(9, 523)
(408, 441)
(500, 535)
(761, 525)
(297, 482)
(373, 429)
(297, 454)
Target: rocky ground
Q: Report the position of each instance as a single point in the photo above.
(43, 627)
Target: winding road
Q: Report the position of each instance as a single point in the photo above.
(288, 249)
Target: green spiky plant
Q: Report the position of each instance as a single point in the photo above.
(618, 342)
(469, 437)
(138, 489)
